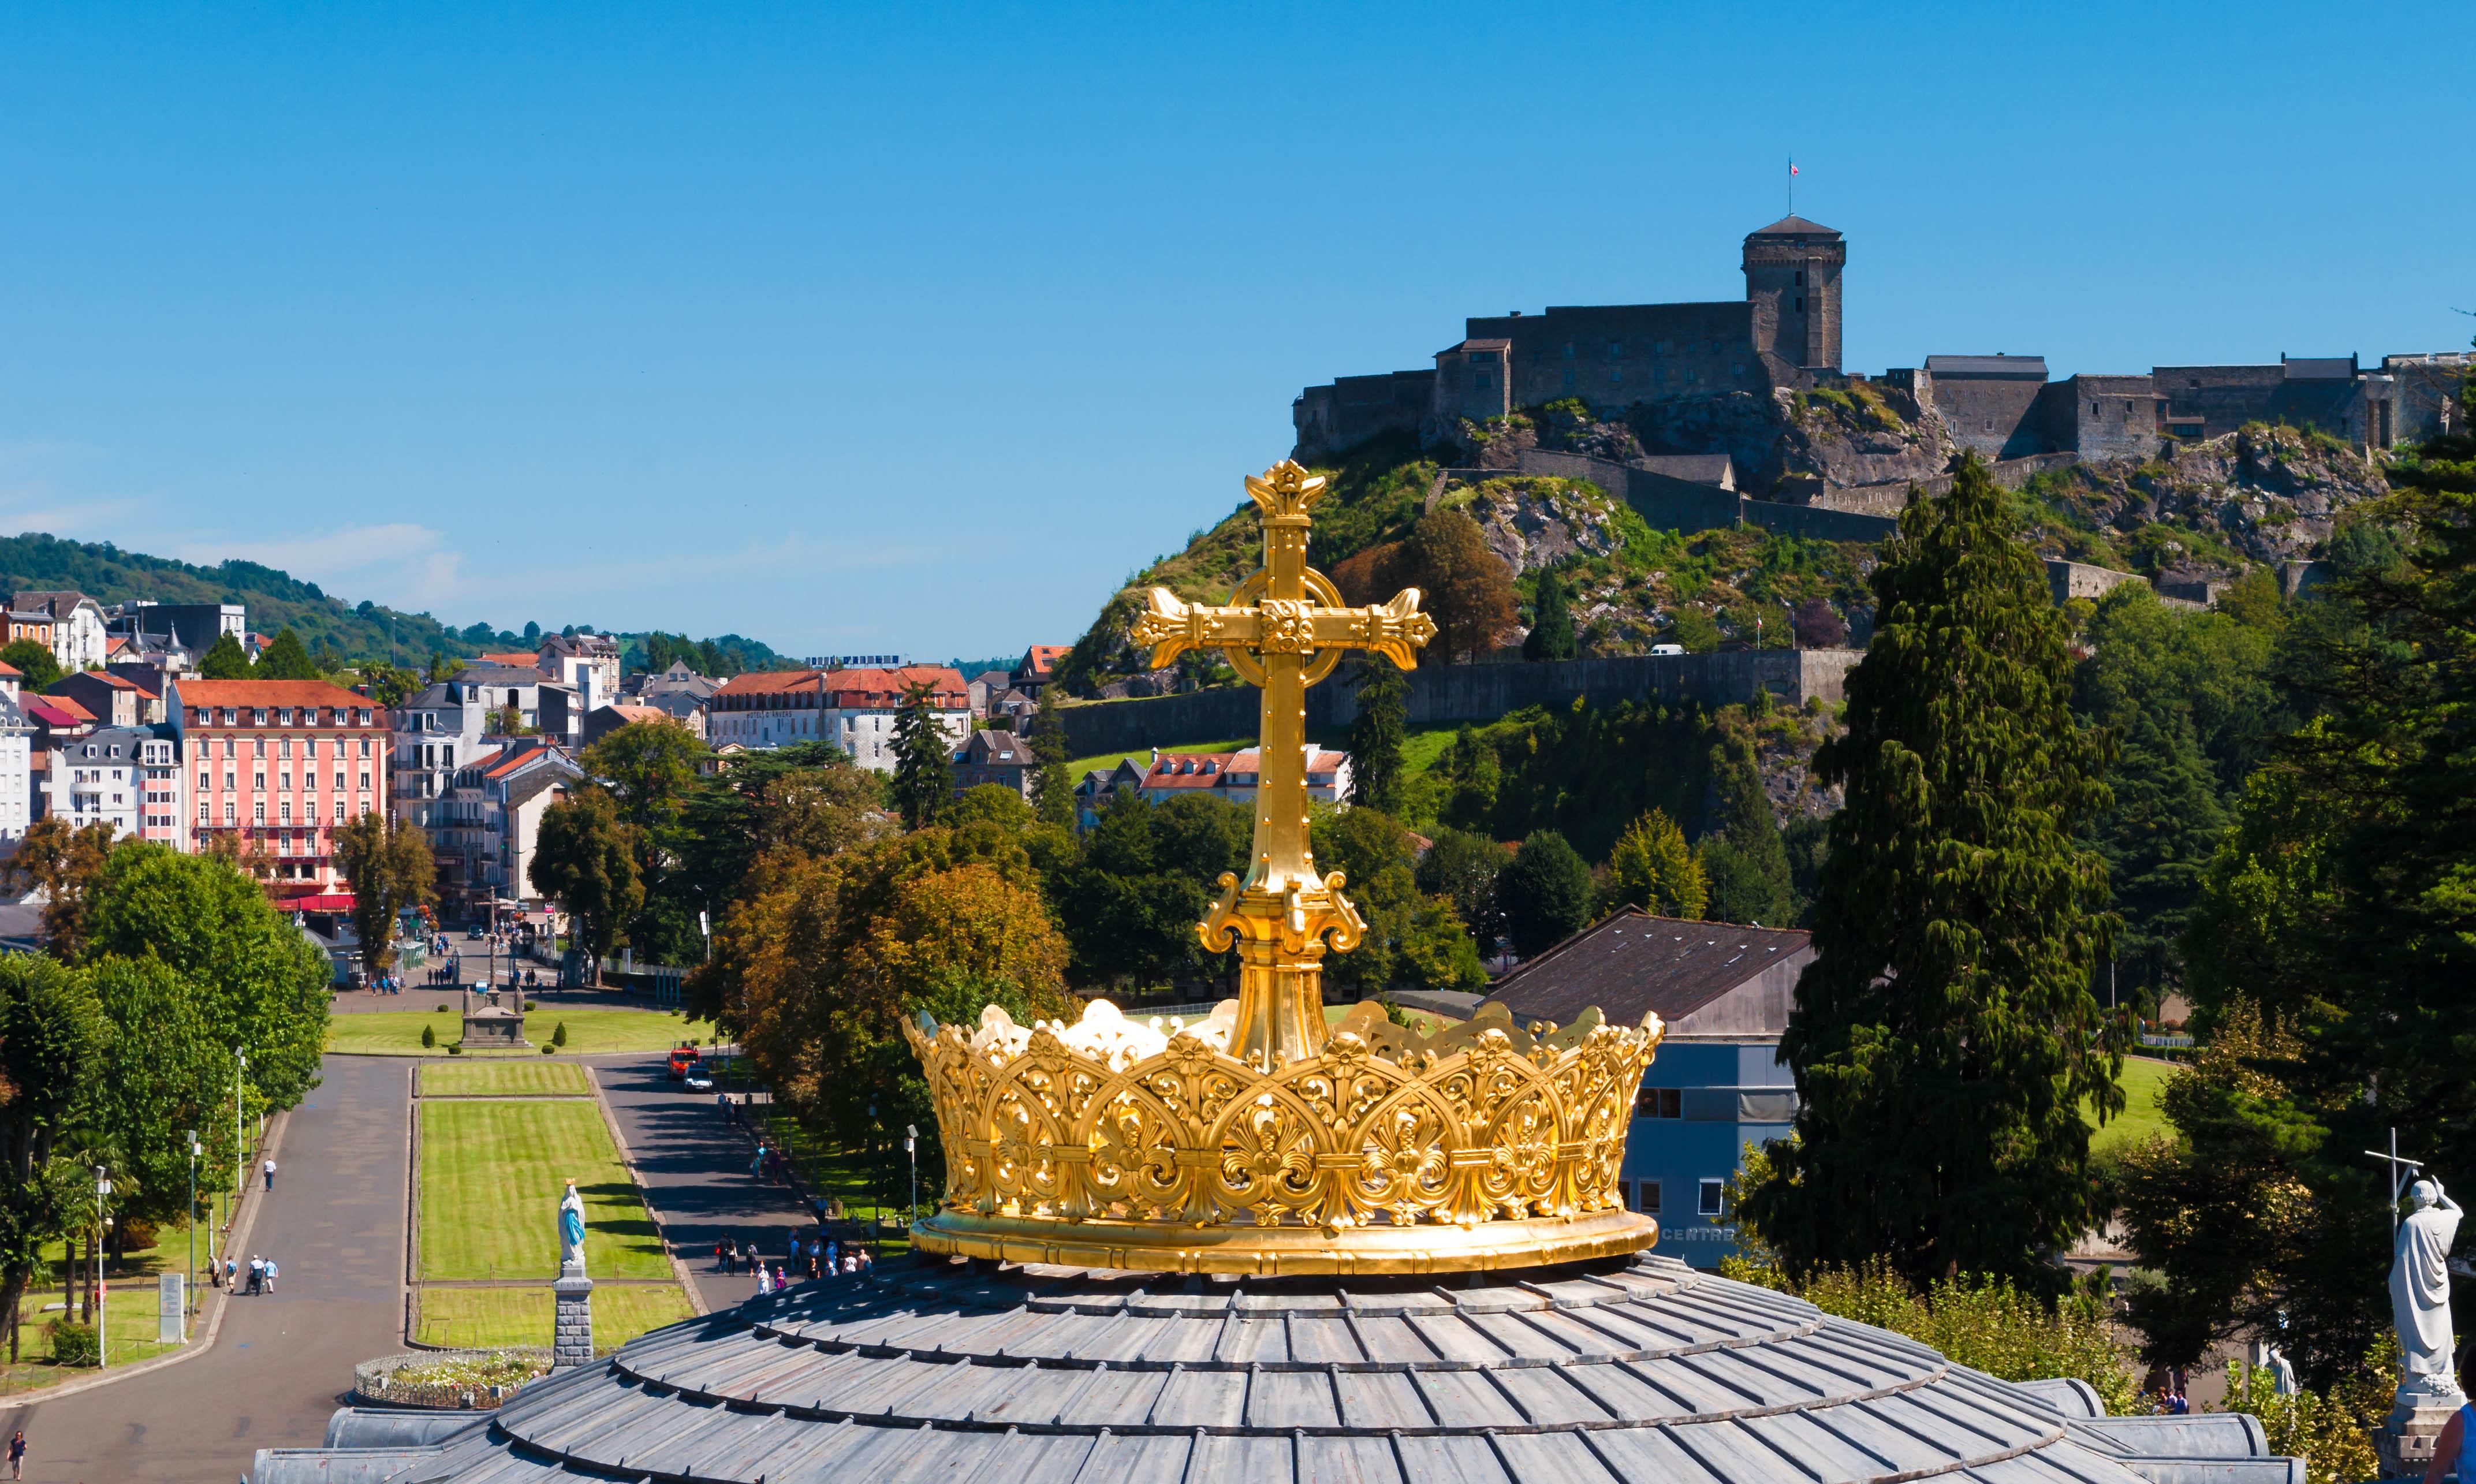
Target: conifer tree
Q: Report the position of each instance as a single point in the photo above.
(1053, 787)
(1376, 736)
(287, 658)
(1945, 1039)
(924, 763)
(225, 660)
(1652, 868)
(1544, 893)
(1551, 620)
(1744, 860)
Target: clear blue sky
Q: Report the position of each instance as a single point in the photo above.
(874, 328)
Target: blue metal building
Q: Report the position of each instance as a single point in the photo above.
(1717, 1084)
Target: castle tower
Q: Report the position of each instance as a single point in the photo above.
(1793, 280)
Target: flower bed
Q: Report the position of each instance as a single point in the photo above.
(449, 1380)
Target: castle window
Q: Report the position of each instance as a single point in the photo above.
(1738, 370)
(1801, 277)
(2093, 407)
(1479, 381)
(1616, 375)
(1801, 303)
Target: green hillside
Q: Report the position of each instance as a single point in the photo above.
(338, 632)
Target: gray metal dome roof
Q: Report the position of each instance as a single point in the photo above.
(1609, 1371)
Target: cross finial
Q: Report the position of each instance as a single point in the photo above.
(1284, 629)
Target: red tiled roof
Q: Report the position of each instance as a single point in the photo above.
(762, 682)
(1042, 659)
(272, 693)
(1188, 770)
(867, 689)
(71, 713)
(522, 660)
(8, 669)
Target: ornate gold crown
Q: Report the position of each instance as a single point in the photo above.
(1259, 1141)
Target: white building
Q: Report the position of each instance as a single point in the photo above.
(1235, 775)
(102, 776)
(585, 663)
(16, 764)
(855, 709)
(77, 628)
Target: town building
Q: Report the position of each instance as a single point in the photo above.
(1038, 667)
(17, 775)
(602, 720)
(489, 822)
(31, 624)
(277, 766)
(678, 692)
(148, 682)
(437, 730)
(1099, 785)
(114, 700)
(587, 664)
(998, 757)
(115, 776)
(530, 698)
(1723, 993)
(1233, 775)
(191, 628)
(854, 709)
(985, 686)
(78, 633)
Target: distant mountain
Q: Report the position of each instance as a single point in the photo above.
(333, 629)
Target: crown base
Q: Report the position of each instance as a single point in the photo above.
(1287, 1252)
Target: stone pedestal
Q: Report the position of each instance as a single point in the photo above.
(2405, 1438)
(572, 1334)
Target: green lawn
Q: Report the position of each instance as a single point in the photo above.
(491, 1176)
(129, 1312)
(480, 1317)
(398, 1032)
(1141, 757)
(2143, 1078)
(540, 1077)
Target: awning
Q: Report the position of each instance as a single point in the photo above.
(328, 901)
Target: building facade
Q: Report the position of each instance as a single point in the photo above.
(277, 765)
(489, 820)
(435, 732)
(587, 664)
(1234, 775)
(77, 631)
(998, 757)
(1718, 1083)
(17, 775)
(852, 708)
(115, 776)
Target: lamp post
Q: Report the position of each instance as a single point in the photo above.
(102, 1236)
(911, 1146)
(190, 1283)
(240, 1146)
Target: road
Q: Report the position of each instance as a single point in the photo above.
(694, 1169)
(282, 1363)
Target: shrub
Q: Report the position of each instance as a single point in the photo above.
(138, 1234)
(2331, 1431)
(428, 1036)
(533, 1005)
(72, 1344)
(559, 1035)
(455, 1048)
(442, 1009)
(550, 1050)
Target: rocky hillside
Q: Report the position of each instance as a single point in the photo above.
(2198, 512)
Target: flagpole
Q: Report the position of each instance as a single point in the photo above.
(1792, 186)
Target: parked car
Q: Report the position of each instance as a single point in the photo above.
(698, 1079)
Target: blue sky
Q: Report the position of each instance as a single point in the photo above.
(921, 328)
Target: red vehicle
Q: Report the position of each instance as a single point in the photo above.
(683, 1060)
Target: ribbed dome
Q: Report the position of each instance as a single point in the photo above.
(1605, 1372)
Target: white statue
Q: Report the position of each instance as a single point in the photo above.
(2420, 1288)
(571, 1235)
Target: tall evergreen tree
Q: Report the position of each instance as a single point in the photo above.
(2157, 841)
(1376, 736)
(1944, 1038)
(1743, 859)
(225, 660)
(1053, 787)
(287, 658)
(924, 762)
(1551, 620)
(1544, 893)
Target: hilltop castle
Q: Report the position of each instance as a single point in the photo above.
(1785, 337)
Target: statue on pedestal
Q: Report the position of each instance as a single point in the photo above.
(571, 1234)
(2429, 1395)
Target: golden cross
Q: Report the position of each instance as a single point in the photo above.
(1284, 629)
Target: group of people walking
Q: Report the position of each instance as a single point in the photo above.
(259, 1279)
(812, 1255)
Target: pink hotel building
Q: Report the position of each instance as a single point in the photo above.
(281, 764)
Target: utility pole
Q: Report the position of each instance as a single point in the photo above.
(241, 1145)
(190, 1283)
(101, 1238)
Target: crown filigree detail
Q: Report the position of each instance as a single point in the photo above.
(1116, 1144)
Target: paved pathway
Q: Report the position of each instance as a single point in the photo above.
(282, 1363)
(694, 1167)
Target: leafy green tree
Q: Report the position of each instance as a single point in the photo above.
(585, 859)
(1744, 862)
(1129, 904)
(1376, 736)
(1945, 1039)
(1551, 620)
(259, 982)
(924, 761)
(389, 684)
(1471, 776)
(1412, 940)
(1053, 787)
(166, 1076)
(392, 871)
(1694, 629)
(647, 768)
(63, 860)
(35, 662)
(1544, 893)
(286, 659)
(1652, 868)
(994, 803)
(1463, 868)
(55, 1043)
(225, 660)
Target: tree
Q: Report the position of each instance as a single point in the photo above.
(1698, 632)
(924, 762)
(389, 684)
(225, 660)
(647, 768)
(1745, 861)
(54, 1040)
(256, 979)
(1145, 878)
(1463, 868)
(1412, 940)
(1818, 625)
(1465, 587)
(1544, 893)
(391, 870)
(39, 668)
(61, 861)
(1652, 868)
(166, 1075)
(1551, 620)
(585, 858)
(287, 658)
(1944, 1038)
(1053, 787)
(1376, 736)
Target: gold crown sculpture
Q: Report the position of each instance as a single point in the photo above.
(1255, 1141)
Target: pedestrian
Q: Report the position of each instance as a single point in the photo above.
(867, 1262)
(780, 1282)
(269, 1171)
(17, 1454)
(257, 1273)
(717, 1256)
(834, 1256)
(231, 1274)
(757, 1165)
(764, 1285)
(270, 1274)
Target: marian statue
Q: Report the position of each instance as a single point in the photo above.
(571, 1235)
(2420, 1288)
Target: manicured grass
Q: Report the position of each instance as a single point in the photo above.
(589, 1030)
(479, 1318)
(1141, 757)
(129, 1312)
(538, 1076)
(2144, 1079)
(491, 1177)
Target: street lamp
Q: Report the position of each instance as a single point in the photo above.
(240, 1147)
(102, 1236)
(911, 1146)
(190, 1283)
